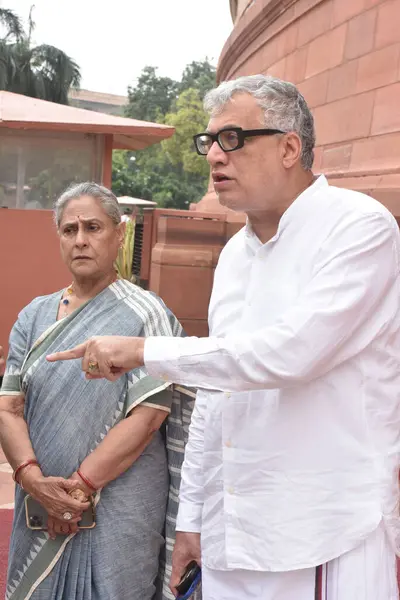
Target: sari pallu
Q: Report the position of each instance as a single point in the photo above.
(67, 417)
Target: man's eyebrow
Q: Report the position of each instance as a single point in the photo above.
(228, 126)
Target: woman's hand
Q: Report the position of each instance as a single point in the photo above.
(81, 493)
(81, 485)
(52, 494)
(108, 356)
(57, 527)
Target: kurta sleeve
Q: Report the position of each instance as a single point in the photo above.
(191, 495)
(350, 299)
(144, 388)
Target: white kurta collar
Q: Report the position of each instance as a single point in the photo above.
(298, 205)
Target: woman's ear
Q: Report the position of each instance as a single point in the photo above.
(121, 232)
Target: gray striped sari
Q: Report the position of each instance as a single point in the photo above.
(68, 417)
(177, 436)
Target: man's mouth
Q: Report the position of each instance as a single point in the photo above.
(219, 177)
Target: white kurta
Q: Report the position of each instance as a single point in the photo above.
(367, 572)
(294, 445)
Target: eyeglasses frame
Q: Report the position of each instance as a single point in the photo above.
(241, 133)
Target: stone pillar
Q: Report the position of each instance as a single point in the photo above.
(209, 202)
(183, 262)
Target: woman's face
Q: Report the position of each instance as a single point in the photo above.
(89, 240)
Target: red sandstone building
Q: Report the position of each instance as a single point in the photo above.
(344, 55)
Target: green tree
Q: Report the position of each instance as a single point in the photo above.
(152, 97)
(172, 173)
(188, 119)
(38, 71)
(199, 75)
(148, 174)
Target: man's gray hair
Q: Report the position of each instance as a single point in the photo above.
(283, 105)
(75, 191)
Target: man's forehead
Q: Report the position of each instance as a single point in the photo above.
(240, 111)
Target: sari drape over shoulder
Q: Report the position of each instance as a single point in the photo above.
(67, 417)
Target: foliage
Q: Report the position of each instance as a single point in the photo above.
(172, 173)
(40, 72)
(152, 177)
(124, 261)
(198, 75)
(152, 97)
(188, 119)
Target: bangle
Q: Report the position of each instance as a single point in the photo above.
(26, 463)
(87, 481)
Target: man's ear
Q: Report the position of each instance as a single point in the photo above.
(291, 149)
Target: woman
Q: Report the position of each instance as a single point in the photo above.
(69, 438)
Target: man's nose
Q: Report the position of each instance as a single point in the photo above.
(216, 155)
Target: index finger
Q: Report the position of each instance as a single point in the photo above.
(77, 352)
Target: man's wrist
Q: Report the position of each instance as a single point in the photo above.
(188, 529)
(189, 517)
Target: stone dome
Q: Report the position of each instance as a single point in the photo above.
(344, 56)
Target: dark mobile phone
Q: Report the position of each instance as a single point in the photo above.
(36, 516)
(189, 582)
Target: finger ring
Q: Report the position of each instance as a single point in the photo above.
(67, 516)
(93, 366)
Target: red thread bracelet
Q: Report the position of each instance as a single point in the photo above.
(87, 481)
(26, 463)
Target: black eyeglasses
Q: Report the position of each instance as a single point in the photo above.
(228, 139)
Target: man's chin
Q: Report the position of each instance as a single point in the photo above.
(230, 202)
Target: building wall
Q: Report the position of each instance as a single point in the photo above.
(30, 262)
(110, 104)
(344, 55)
(238, 7)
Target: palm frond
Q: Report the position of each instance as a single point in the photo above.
(42, 72)
(58, 70)
(12, 24)
(7, 65)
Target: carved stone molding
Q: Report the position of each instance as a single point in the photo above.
(259, 24)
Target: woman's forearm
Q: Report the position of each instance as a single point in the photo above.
(14, 435)
(122, 446)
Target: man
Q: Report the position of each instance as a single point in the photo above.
(291, 468)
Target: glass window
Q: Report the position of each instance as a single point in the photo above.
(35, 167)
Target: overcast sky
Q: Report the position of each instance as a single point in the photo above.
(113, 40)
